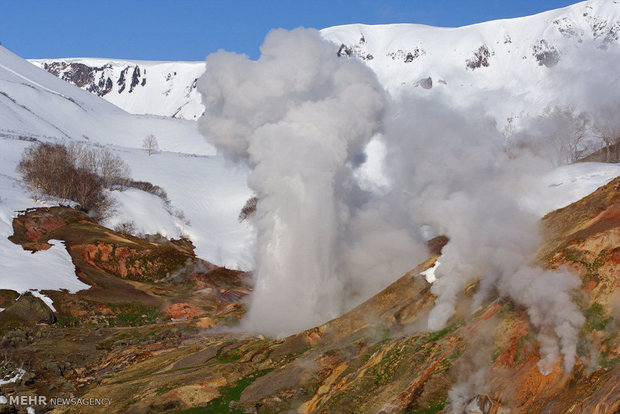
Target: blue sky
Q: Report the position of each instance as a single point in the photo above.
(191, 29)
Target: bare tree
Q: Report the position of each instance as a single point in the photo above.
(150, 144)
(558, 134)
(113, 170)
(609, 134)
(606, 127)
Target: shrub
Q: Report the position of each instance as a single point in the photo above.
(109, 167)
(128, 227)
(149, 188)
(248, 209)
(72, 173)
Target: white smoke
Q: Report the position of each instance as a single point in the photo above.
(452, 171)
(300, 117)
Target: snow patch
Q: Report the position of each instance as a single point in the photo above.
(429, 274)
(20, 373)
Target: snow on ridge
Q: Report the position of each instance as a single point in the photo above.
(514, 55)
(166, 88)
(508, 69)
(116, 61)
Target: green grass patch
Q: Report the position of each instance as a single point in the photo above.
(437, 335)
(579, 256)
(433, 408)
(67, 321)
(596, 318)
(396, 362)
(588, 277)
(573, 255)
(133, 315)
(221, 404)
(609, 363)
(228, 356)
(524, 345)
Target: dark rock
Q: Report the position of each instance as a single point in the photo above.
(480, 59)
(344, 51)
(135, 79)
(545, 54)
(52, 366)
(436, 244)
(28, 378)
(426, 83)
(7, 409)
(31, 309)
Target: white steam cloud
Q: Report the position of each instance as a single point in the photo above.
(454, 174)
(300, 117)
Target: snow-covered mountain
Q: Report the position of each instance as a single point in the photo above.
(485, 55)
(139, 87)
(507, 67)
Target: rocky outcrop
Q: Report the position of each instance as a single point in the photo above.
(480, 58)
(545, 53)
(29, 308)
(123, 271)
(157, 88)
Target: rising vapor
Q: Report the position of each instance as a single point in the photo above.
(300, 118)
(453, 172)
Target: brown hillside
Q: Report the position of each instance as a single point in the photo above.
(377, 358)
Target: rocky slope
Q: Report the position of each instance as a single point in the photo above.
(376, 358)
(139, 87)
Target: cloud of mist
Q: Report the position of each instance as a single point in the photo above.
(581, 104)
(454, 173)
(300, 117)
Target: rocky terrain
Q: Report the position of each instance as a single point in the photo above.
(142, 323)
(139, 87)
(140, 335)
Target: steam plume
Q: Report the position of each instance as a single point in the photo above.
(300, 117)
(454, 174)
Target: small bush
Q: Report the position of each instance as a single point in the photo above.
(128, 227)
(248, 209)
(109, 167)
(73, 172)
(150, 188)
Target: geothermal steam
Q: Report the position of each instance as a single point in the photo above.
(300, 118)
(455, 175)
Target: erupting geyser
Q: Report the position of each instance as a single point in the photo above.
(299, 117)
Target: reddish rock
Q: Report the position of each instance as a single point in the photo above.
(182, 311)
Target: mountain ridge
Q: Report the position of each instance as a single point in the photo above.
(462, 63)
